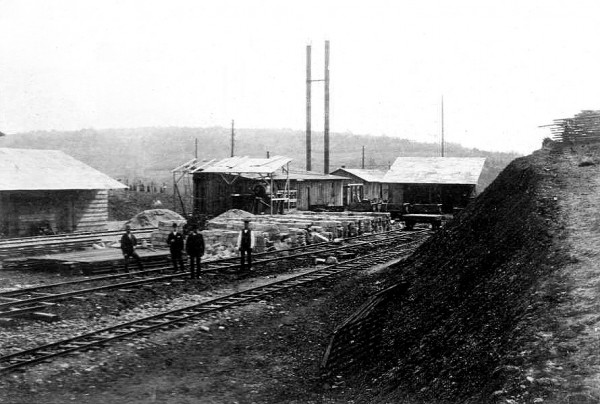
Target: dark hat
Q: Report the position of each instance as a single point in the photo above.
(127, 227)
(174, 224)
(246, 219)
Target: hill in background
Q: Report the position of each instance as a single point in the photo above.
(148, 154)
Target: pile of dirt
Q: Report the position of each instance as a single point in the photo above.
(480, 291)
(153, 217)
(233, 214)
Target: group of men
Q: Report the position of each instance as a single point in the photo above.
(194, 247)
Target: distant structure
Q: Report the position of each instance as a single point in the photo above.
(363, 184)
(48, 191)
(450, 181)
(256, 185)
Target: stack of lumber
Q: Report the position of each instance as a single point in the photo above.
(584, 126)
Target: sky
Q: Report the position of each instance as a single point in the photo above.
(503, 68)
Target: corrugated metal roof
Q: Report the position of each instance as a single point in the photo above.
(435, 170)
(245, 164)
(368, 175)
(28, 170)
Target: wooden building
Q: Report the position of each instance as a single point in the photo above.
(257, 185)
(48, 190)
(363, 184)
(450, 181)
(313, 190)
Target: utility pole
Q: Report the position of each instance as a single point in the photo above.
(363, 158)
(308, 115)
(326, 129)
(442, 126)
(232, 138)
(196, 148)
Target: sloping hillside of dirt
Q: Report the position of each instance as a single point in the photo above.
(504, 302)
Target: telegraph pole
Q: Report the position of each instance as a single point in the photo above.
(232, 138)
(442, 126)
(363, 158)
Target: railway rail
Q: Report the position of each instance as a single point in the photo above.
(102, 337)
(34, 299)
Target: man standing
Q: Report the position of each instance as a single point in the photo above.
(245, 244)
(175, 242)
(195, 250)
(128, 245)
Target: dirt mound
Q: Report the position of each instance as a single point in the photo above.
(234, 214)
(152, 217)
(481, 288)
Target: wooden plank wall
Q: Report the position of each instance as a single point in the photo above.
(90, 210)
(22, 212)
(329, 192)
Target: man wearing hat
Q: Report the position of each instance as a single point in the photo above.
(128, 245)
(175, 242)
(245, 244)
(194, 247)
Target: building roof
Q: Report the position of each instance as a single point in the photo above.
(435, 170)
(28, 170)
(368, 175)
(308, 176)
(244, 165)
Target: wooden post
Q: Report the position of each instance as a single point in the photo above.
(232, 138)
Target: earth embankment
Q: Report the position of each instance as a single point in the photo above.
(503, 303)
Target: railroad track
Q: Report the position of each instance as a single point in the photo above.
(35, 299)
(101, 337)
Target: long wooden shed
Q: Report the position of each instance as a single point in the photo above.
(257, 185)
(48, 189)
(450, 181)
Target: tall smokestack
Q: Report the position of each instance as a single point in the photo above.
(308, 99)
(326, 130)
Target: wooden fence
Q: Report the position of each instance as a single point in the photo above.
(357, 341)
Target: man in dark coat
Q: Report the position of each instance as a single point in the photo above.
(195, 250)
(128, 245)
(175, 242)
(245, 244)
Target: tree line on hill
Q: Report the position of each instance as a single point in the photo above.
(151, 153)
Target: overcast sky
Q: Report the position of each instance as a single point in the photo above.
(503, 67)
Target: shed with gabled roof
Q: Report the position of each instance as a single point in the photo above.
(450, 181)
(50, 190)
(372, 186)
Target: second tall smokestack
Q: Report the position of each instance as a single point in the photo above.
(326, 129)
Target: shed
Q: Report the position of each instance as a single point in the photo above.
(256, 185)
(373, 188)
(50, 190)
(450, 181)
(311, 189)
